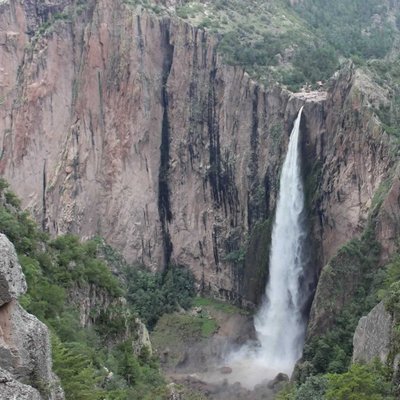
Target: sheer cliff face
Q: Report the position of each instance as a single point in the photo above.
(128, 126)
(122, 124)
(349, 157)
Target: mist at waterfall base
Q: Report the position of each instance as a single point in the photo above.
(279, 323)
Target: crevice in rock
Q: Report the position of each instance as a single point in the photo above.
(44, 205)
(196, 107)
(221, 172)
(255, 196)
(101, 104)
(267, 194)
(164, 205)
(213, 134)
(215, 247)
(311, 170)
(140, 41)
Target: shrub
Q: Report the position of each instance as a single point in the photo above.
(361, 382)
(155, 294)
(315, 62)
(79, 353)
(313, 388)
(346, 25)
(78, 377)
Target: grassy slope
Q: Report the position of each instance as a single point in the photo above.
(275, 41)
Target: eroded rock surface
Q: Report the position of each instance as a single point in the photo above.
(372, 338)
(11, 389)
(143, 339)
(12, 280)
(25, 350)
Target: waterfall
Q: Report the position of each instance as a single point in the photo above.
(279, 322)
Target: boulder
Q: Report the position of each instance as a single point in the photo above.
(143, 338)
(372, 335)
(11, 389)
(281, 377)
(25, 350)
(12, 280)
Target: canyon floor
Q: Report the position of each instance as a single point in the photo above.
(197, 349)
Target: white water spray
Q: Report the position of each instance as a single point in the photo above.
(279, 323)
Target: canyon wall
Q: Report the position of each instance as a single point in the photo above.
(120, 123)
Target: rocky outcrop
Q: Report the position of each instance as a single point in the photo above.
(12, 389)
(372, 338)
(90, 300)
(142, 339)
(353, 181)
(12, 280)
(123, 124)
(25, 351)
(388, 221)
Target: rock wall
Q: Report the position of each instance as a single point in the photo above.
(25, 351)
(90, 300)
(10, 388)
(359, 166)
(127, 125)
(372, 338)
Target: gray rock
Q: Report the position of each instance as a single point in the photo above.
(174, 392)
(11, 389)
(281, 377)
(25, 350)
(372, 336)
(143, 338)
(12, 280)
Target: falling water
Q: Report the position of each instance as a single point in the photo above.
(279, 323)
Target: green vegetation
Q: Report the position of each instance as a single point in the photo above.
(360, 382)
(295, 44)
(179, 332)
(390, 293)
(84, 357)
(263, 37)
(86, 268)
(350, 284)
(186, 327)
(189, 10)
(236, 256)
(153, 295)
(387, 74)
(76, 372)
(313, 388)
(353, 27)
(212, 304)
(56, 270)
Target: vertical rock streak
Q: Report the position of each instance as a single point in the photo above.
(164, 205)
(279, 323)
